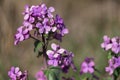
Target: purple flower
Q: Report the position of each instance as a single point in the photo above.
(40, 75)
(21, 35)
(60, 57)
(50, 10)
(87, 66)
(61, 29)
(40, 19)
(111, 44)
(60, 25)
(113, 64)
(116, 45)
(16, 74)
(57, 50)
(107, 43)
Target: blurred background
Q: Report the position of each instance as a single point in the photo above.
(87, 21)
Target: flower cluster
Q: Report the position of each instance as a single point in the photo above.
(87, 66)
(40, 18)
(111, 44)
(16, 74)
(114, 63)
(40, 75)
(60, 57)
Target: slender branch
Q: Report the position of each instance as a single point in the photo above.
(34, 38)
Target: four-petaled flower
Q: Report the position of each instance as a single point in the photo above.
(87, 66)
(57, 50)
(112, 44)
(16, 74)
(107, 43)
(21, 35)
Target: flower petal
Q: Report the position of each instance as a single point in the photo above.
(61, 50)
(54, 46)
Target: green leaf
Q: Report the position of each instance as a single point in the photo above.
(52, 76)
(53, 73)
(39, 54)
(38, 44)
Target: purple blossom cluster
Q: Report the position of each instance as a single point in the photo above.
(114, 63)
(111, 44)
(41, 19)
(16, 74)
(40, 75)
(87, 66)
(60, 57)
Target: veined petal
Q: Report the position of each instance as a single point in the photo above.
(21, 38)
(51, 9)
(91, 63)
(50, 15)
(55, 63)
(26, 16)
(50, 62)
(19, 73)
(56, 55)
(85, 70)
(20, 29)
(103, 45)
(54, 29)
(38, 25)
(17, 36)
(41, 30)
(84, 64)
(25, 31)
(65, 31)
(16, 42)
(108, 46)
(17, 69)
(47, 29)
(54, 46)
(61, 50)
(50, 52)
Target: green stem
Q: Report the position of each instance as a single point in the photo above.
(114, 77)
(87, 78)
(44, 51)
